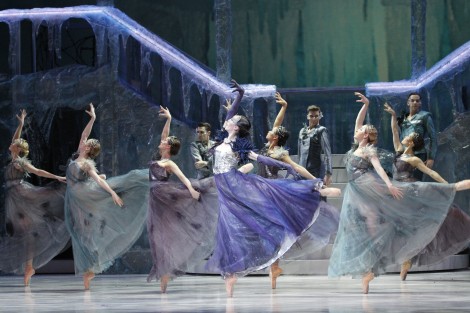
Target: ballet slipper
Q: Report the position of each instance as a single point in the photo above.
(229, 284)
(87, 279)
(274, 272)
(164, 283)
(29, 271)
(405, 267)
(365, 282)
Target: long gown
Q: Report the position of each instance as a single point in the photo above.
(100, 230)
(34, 221)
(259, 219)
(377, 230)
(181, 230)
(453, 235)
(325, 227)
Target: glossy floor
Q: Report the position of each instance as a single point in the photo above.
(422, 292)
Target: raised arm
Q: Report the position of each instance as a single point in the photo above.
(282, 112)
(87, 131)
(361, 116)
(394, 123)
(18, 130)
(396, 192)
(170, 165)
(166, 129)
(234, 106)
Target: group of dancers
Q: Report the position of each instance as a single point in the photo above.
(238, 222)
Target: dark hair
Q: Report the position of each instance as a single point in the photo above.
(175, 145)
(418, 141)
(313, 108)
(413, 94)
(282, 135)
(244, 126)
(207, 126)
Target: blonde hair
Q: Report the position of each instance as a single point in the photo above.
(23, 145)
(95, 148)
(373, 133)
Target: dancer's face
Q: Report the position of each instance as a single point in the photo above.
(14, 148)
(360, 133)
(231, 124)
(313, 117)
(414, 103)
(271, 136)
(407, 141)
(164, 145)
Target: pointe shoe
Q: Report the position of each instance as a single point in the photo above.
(229, 283)
(164, 283)
(27, 275)
(365, 282)
(405, 267)
(87, 278)
(274, 273)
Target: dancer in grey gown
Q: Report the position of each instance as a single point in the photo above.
(34, 215)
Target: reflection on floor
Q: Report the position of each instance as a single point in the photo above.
(422, 292)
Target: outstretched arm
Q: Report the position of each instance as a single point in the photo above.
(166, 129)
(20, 119)
(171, 166)
(31, 169)
(282, 112)
(396, 192)
(419, 164)
(394, 123)
(361, 116)
(234, 107)
(87, 131)
(92, 173)
(298, 168)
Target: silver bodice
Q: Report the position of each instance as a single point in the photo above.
(224, 161)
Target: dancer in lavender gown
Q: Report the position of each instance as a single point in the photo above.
(376, 230)
(181, 220)
(104, 217)
(326, 225)
(454, 234)
(35, 225)
(259, 219)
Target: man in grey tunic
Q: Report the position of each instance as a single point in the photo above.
(200, 151)
(314, 146)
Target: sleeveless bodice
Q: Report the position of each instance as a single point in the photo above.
(75, 173)
(13, 176)
(357, 166)
(403, 171)
(158, 173)
(224, 161)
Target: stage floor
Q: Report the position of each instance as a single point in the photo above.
(422, 292)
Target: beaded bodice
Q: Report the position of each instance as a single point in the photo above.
(158, 173)
(224, 161)
(402, 170)
(357, 166)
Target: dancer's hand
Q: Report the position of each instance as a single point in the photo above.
(21, 117)
(396, 192)
(62, 179)
(362, 98)
(236, 87)
(280, 100)
(91, 112)
(228, 104)
(388, 109)
(253, 156)
(200, 164)
(195, 194)
(102, 176)
(117, 199)
(164, 112)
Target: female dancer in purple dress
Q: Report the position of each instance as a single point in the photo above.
(259, 219)
(34, 215)
(454, 234)
(102, 228)
(181, 220)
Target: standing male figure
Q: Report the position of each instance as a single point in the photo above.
(314, 146)
(200, 151)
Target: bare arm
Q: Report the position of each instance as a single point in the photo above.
(419, 164)
(20, 119)
(396, 192)
(166, 129)
(298, 168)
(87, 131)
(361, 116)
(246, 168)
(394, 123)
(31, 169)
(282, 112)
(103, 184)
(170, 165)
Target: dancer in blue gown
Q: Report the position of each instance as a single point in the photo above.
(454, 234)
(326, 224)
(34, 215)
(181, 220)
(382, 223)
(104, 218)
(259, 219)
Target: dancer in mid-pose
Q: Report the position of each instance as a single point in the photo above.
(382, 223)
(454, 234)
(259, 219)
(34, 215)
(104, 218)
(181, 220)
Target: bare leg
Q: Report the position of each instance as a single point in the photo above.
(365, 282)
(164, 282)
(405, 267)
(229, 284)
(462, 185)
(274, 272)
(28, 272)
(87, 277)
